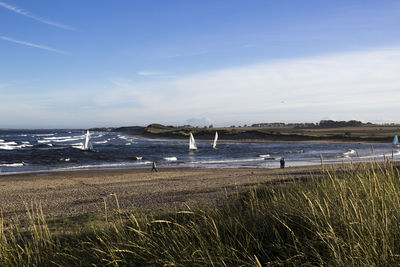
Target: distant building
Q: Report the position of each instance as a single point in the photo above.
(269, 124)
(281, 124)
(321, 124)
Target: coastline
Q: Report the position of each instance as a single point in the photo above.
(255, 140)
(73, 193)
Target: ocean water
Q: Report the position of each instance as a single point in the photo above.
(43, 150)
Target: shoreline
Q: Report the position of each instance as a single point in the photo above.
(322, 141)
(73, 193)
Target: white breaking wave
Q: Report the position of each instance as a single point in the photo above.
(381, 155)
(35, 135)
(264, 156)
(227, 161)
(13, 145)
(26, 145)
(171, 158)
(349, 153)
(372, 157)
(76, 144)
(9, 143)
(107, 165)
(54, 138)
(80, 146)
(43, 141)
(6, 147)
(100, 142)
(62, 139)
(12, 164)
(67, 140)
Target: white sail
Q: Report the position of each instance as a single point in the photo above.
(215, 140)
(192, 143)
(395, 141)
(87, 145)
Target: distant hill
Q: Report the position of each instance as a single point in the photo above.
(346, 132)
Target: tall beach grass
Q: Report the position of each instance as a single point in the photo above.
(351, 216)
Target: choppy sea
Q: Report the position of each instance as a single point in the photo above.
(48, 150)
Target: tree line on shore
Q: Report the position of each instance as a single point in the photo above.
(321, 124)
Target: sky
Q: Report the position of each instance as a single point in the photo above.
(98, 63)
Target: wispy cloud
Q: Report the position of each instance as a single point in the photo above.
(34, 17)
(34, 45)
(354, 85)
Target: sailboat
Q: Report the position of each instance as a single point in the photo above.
(215, 140)
(395, 142)
(192, 143)
(87, 145)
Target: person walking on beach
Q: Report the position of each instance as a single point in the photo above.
(282, 163)
(154, 169)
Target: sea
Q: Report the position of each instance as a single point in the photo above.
(61, 150)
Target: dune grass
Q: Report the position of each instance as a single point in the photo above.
(349, 217)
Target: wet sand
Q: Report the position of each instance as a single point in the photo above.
(70, 193)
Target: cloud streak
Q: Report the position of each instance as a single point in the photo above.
(34, 17)
(47, 48)
(149, 73)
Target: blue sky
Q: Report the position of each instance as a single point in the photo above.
(90, 63)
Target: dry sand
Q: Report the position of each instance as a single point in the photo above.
(77, 192)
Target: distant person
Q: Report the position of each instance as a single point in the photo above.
(282, 163)
(154, 169)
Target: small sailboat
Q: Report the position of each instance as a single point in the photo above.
(192, 143)
(87, 145)
(395, 142)
(215, 140)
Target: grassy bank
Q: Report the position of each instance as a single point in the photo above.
(350, 217)
(364, 133)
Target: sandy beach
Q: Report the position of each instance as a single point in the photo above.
(70, 193)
